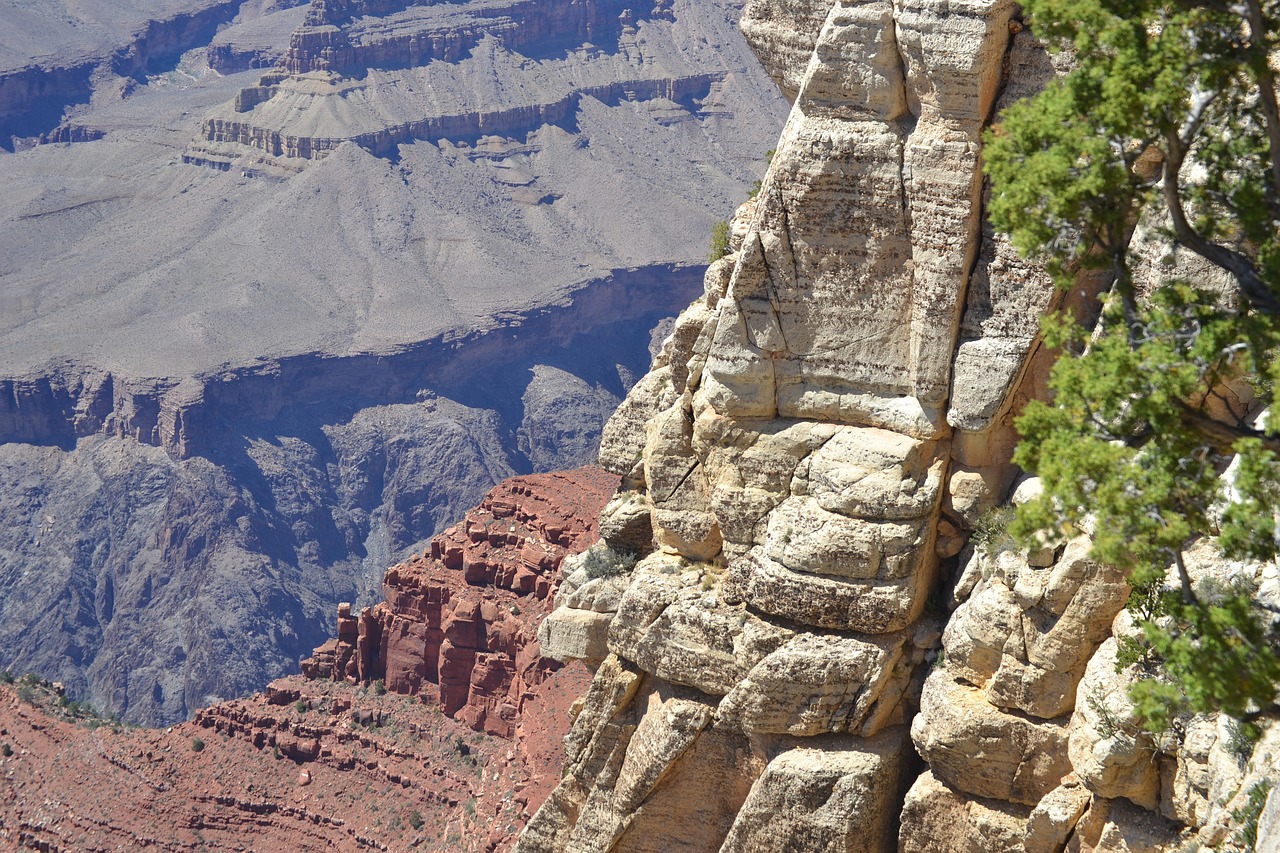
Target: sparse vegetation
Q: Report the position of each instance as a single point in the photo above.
(719, 241)
(197, 745)
(1247, 815)
(6, 750)
(300, 706)
(1242, 737)
(991, 535)
(379, 688)
(415, 819)
(1168, 119)
(601, 561)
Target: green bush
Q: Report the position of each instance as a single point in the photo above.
(991, 536)
(415, 819)
(719, 241)
(379, 687)
(197, 745)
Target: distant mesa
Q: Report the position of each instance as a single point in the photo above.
(387, 72)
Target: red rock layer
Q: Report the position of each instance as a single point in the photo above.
(459, 624)
(305, 766)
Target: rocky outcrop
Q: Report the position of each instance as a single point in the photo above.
(808, 456)
(458, 626)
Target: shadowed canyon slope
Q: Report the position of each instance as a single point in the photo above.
(238, 383)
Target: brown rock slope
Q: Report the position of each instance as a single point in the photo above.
(308, 765)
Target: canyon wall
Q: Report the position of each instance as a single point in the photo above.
(432, 721)
(809, 654)
(231, 397)
(167, 548)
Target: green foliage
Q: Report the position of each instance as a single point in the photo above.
(197, 745)
(1169, 115)
(1242, 737)
(719, 241)
(6, 750)
(1247, 815)
(300, 706)
(415, 819)
(379, 688)
(601, 561)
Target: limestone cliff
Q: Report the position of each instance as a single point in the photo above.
(803, 465)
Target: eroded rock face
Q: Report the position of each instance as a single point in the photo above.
(792, 451)
(813, 447)
(459, 623)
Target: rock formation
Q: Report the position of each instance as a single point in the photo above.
(802, 467)
(459, 623)
(381, 73)
(387, 743)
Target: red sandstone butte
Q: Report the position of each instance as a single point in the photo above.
(459, 624)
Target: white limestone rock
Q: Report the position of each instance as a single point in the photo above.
(1109, 749)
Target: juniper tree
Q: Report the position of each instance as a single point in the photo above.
(1168, 117)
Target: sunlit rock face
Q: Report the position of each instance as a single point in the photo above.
(811, 450)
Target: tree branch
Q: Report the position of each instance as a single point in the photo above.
(1266, 87)
(1222, 435)
(1252, 287)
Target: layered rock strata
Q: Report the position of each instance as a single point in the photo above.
(54, 58)
(802, 467)
(382, 74)
(458, 626)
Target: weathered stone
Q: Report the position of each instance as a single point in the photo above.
(1109, 749)
(683, 633)
(1118, 826)
(871, 606)
(814, 684)
(1026, 633)
(804, 537)
(1052, 820)
(973, 491)
(830, 797)
(940, 819)
(876, 474)
(626, 522)
(568, 634)
(976, 748)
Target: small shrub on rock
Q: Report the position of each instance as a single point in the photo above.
(604, 562)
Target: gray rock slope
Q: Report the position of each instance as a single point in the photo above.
(235, 386)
